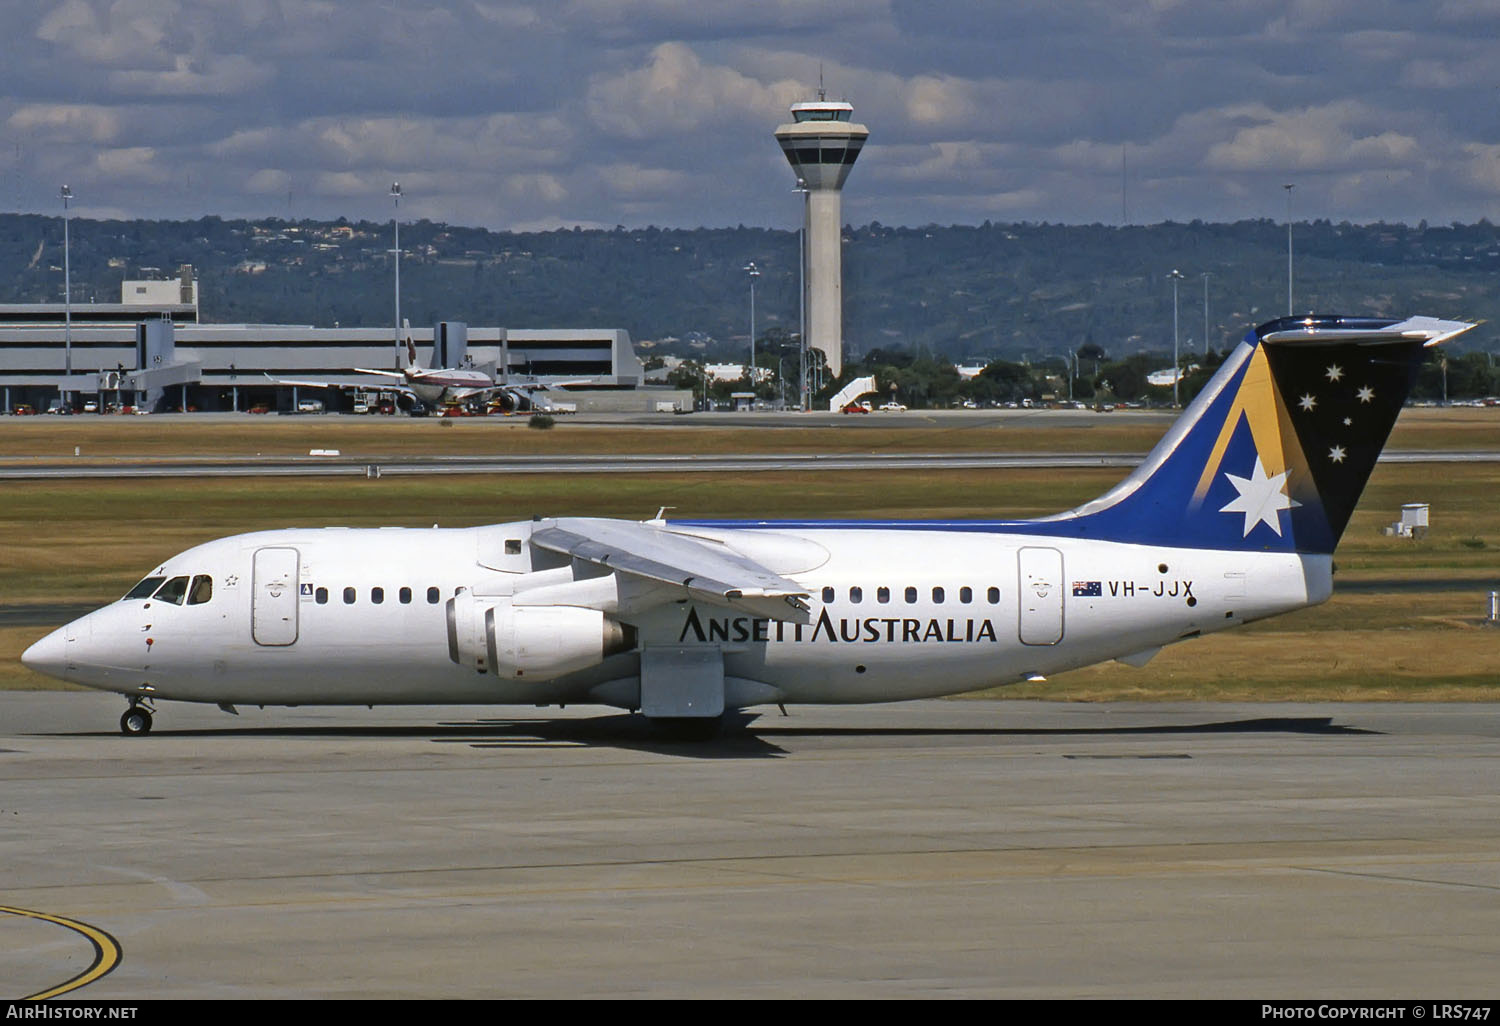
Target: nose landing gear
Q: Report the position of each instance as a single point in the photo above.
(136, 720)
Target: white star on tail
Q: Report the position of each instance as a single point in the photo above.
(1260, 498)
(1335, 372)
(1308, 402)
(1365, 394)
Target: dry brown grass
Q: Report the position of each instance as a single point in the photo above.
(383, 437)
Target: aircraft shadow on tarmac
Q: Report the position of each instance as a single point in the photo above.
(744, 736)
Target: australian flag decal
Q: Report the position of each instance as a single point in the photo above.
(1087, 589)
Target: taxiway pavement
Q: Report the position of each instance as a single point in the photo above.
(946, 848)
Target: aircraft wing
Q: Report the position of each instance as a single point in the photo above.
(706, 572)
(304, 382)
(348, 384)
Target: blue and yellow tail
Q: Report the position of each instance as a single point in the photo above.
(1275, 451)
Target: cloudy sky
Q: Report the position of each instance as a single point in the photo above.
(638, 112)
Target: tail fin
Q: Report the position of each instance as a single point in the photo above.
(1274, 453)
(412, 363)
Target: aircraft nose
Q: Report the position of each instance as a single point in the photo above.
(49, 656)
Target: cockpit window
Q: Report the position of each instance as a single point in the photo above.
(145, 588)
(201, 591)
(174, 591)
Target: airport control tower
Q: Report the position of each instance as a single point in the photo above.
(822, 144)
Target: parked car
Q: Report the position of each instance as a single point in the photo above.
(892, 407)
(857, 408)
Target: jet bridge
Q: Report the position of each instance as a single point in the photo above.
(158, 366)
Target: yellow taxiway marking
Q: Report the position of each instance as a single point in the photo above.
(106, 952)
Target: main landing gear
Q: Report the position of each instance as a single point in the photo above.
(136, 720)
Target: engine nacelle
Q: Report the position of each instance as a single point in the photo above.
(531, 642)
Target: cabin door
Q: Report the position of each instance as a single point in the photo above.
(1041, 598)
(273, 618)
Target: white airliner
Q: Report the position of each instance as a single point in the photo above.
(438, 385)
(442, 386)
(1233, 517)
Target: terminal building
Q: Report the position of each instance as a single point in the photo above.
(152, 351)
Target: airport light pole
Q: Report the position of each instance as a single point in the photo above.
(1176, 277)
(754, 273)
(1206, 276)
(396, 225)
(66, 194)
(1288, 189)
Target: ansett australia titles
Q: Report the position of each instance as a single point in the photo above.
(845, 629)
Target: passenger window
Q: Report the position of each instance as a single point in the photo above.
(321, 595)
(937, 595)
(348, 596)
(145, 588)
(856, 594)
(432, 596)
(882, 595)
(994, 596)
(405, 595)
(827, 596)
(966, 595)
(201, 591)
(512, 546)
(377, 595)
(174, 591)
(911, 596)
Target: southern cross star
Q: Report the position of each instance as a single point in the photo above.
(1335, 372)
(1261, 498)
(1365, 394)
(1308, 402)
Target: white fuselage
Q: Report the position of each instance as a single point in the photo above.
(438, 386)
(354, 616)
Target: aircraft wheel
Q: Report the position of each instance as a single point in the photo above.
(135, 722)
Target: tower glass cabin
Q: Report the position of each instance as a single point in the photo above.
(822, 143)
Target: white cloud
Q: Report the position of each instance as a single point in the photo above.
(108, 33)
(63, 121)
(634, 181)
(1331, 137)
(131, 164)
(268, 181)
(214, 76)
(675, 92)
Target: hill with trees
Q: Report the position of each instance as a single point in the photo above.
(1093, 297)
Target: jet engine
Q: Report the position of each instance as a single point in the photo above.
(492, 635)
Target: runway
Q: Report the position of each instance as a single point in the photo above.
(623, 463)
(929, 849)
